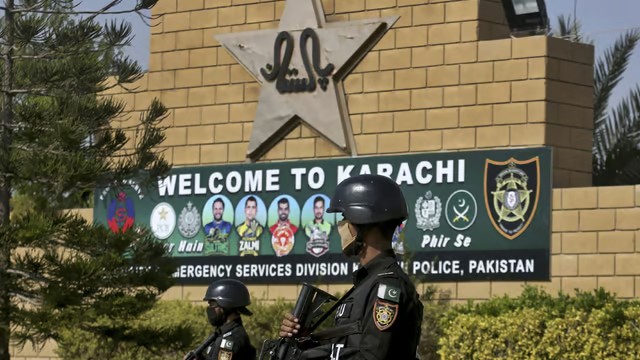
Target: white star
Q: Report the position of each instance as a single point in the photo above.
(315, 96)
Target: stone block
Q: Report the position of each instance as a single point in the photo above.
(627, 219)
(463, 138)
(616, 197)
(442, 118)
(494, 93)
(409, 120)
(509, 70)
(564, 265)
(410, 78)
(461, 53)
(377, 123)
(393, 143)
(492, 136)
(580, 198)
(565, 220)
(428, 14)
(427, 56)
(443, 75)
(427, 98)
(476, 116)
(444, 33)
(425, 140)
(378, 81)
(579, 243)
(476, 73)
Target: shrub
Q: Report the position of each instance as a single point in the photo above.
(589, 325)
(187, 323)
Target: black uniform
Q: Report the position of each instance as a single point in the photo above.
(381, 318)
(232, 343)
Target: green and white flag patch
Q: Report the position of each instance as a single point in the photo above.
(388, 292)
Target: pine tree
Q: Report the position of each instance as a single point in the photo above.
(58, 143)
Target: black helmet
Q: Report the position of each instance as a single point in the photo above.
(229, 294)
(369, 199)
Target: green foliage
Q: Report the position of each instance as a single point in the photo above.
(59, 140)
(181, 324)
(589, 325)
(534, 325)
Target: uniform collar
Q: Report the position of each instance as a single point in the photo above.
(375, 266)
(225, 328)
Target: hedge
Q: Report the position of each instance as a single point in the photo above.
(534, 325)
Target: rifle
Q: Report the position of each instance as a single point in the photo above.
(307, 309)
(197, 353)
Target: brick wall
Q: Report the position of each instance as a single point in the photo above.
(435, 82)
(446, 77)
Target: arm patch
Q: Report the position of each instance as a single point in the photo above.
(389, 293)
(225, 355)
(226, 344)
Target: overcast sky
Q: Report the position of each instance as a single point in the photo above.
(602, 20)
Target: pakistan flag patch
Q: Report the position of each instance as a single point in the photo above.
(389, 293)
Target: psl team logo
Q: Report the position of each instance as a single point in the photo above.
(120, 213)
(163, 220)
(511, 192)
(282, 240)
(461, 210)
(189, 221)
(428, 211)
(318, 243)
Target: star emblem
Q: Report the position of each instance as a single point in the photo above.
(300, 67)
(163, 214)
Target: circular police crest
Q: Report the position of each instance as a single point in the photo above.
(163, 220)
(461, 210)
(189, 221)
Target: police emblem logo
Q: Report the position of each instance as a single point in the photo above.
(384, 314)
(189, 221)
(428, 210)
(225, 355)
(162, 220)
(461, 210)
(120, 213)
(282, 240)
(511, 192)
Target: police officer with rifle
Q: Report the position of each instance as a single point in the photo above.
(227, 299)
(381, 316)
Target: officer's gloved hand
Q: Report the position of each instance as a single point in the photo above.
(289, 326)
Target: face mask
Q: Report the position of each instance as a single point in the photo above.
(216, 319)
(349, 245)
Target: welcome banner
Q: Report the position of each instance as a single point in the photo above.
(478, 215)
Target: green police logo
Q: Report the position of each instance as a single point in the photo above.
(511, 192)
(461, 210)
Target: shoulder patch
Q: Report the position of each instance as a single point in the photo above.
(225, 355)
(389, 292)
(384, 314)
(227, 334)
(226, 344)
(386, 273)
